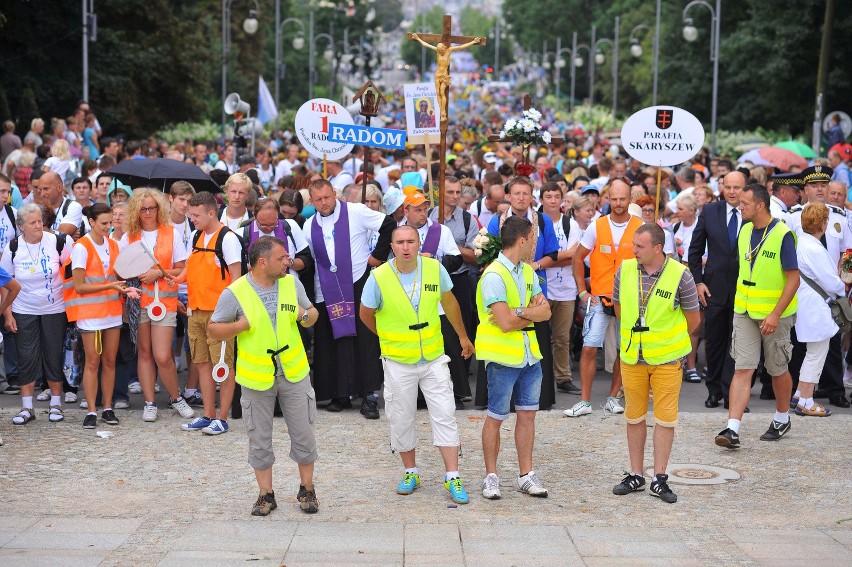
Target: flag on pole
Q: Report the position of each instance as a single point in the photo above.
(266, 110)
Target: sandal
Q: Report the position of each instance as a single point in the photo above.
(24, 416)
(55, 414)
(815, 410)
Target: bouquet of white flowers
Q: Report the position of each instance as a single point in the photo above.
(486, 247)
(527, 130)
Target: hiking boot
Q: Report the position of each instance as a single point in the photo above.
(728, 438)
(776, 431)
(409, 482)
(265, 504)
(630, 483)
(660, 489)
(308, 500)
(370, 408)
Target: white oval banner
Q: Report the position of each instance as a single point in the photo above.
(662, 135)
(312, 122)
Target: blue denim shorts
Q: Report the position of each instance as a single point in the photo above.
(503, 381)
(595, 324)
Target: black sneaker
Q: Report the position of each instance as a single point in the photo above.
(728, 438)
(568, 387)
(109, 416)
(90, 421)
(776, 431)
(308, 500)
(370, 408)
(265, 504)
(338, 405)
(660, 489)
(631, 483)
(10, 390)
(194, 400)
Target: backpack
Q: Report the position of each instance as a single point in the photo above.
(566, 226)
(217, 249)
(61, 240)
(11, 214)
(466, 217)
(288, 234)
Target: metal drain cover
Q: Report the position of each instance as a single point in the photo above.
(680, 473)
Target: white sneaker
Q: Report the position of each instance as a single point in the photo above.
(149, 413)
(183, 408)
(134, 388)
(121, 404)
(84, 404)
(580, 408)
(530, 484)
(847, 378)
(44, 396)
(612, 405)
(70, 397)
(491, 487)
(156, 388)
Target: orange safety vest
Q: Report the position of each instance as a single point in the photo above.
(163, 250)
(92, 305)
(604, 259)
(204, 283)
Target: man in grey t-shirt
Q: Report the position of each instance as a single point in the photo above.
(288, 381)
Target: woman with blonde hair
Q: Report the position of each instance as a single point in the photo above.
(148, 220)
(60, 159)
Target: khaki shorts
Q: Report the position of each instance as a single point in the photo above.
(201, 347)
(170, 320)
(746, 341)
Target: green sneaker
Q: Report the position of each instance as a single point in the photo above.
(408, 483)
(457, 491)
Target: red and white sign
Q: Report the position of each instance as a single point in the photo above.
(662, 135)
(312, 122)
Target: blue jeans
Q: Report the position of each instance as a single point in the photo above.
(503, 381)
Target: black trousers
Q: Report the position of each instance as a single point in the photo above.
(719, 324)
(831, 379)
(464, 291)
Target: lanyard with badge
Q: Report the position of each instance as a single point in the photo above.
(641, 325)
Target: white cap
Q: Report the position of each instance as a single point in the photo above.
(489, 157)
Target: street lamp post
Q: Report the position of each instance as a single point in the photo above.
(90, 34)
(656, 52)
(312, 64)
(636, 51)
(559, 63)
(690, 33)
(497, 33)
(596, 56)
(576, 61)
(298, 43)
(250, 27)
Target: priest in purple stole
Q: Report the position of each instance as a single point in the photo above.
(346, 354)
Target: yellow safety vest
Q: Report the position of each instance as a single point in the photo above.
(492, 344)
(663, 336)
(407, 336)
(759, 285)
(260, 345)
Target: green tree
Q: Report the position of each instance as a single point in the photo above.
(430, 22)
(5, 113)
(388, 14)
(27, 108)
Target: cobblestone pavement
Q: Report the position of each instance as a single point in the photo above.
(154, 495)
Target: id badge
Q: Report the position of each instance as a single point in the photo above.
(641, 320)
(606, 249)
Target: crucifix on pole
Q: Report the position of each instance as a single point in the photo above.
(444, 47)
(525, 156)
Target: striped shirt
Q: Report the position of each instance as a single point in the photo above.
(686, 297)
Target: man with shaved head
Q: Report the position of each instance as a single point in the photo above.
(69, 214)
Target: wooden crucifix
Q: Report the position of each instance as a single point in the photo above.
(444, 48)
(525, 157)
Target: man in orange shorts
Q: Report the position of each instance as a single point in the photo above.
(657, 307)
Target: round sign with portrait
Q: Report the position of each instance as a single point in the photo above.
(312, 122)
(662, 135)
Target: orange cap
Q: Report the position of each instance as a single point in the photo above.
(414, 199)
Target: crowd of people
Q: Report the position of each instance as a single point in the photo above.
(307, 290)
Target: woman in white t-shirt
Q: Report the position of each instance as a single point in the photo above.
(37, 315)
(95, 304)
(148, 220)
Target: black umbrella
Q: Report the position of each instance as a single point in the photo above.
(162, 172)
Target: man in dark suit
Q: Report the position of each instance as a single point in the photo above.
(717, 229)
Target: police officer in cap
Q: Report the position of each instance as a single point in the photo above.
(785, 191)
(837, 239)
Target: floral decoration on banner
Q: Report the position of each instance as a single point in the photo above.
(526, 130)
(486, 247)
(846, 266)
(524, 169)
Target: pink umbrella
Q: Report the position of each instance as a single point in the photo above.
(844, 149)
(781, 158)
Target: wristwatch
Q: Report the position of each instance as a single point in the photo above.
(519, 311)
(304, 317)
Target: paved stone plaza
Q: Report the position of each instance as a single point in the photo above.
(154, 495)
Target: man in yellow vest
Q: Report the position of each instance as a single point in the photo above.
(206, 278)
(262, 309)
(400, 304)
(657, 308)
(764, 313)
(509, 301)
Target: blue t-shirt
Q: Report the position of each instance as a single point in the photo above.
(4, 277)
(88, 139)
(788, 247)
(547, 242)
(372, 295)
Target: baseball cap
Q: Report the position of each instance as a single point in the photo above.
(393, 199)
(415, 199)
(490, 157)
(589, 189)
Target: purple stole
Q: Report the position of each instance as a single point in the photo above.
(433, 238)
(336, 283)
(254, 234)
